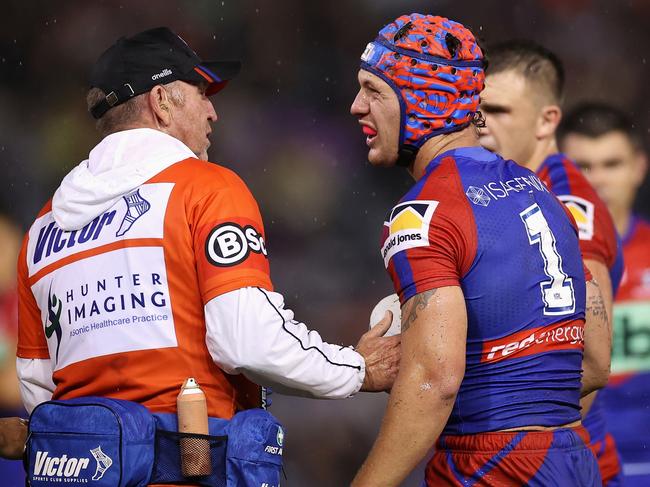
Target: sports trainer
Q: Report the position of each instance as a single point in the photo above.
(149, 265)
(608, 149)
(492, 285)
(521, 103)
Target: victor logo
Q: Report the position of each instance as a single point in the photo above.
(104, 462)
(52, 240)
(47, 466)
(53, 323)
(136, 206)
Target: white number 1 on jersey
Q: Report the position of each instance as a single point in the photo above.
(558, 292)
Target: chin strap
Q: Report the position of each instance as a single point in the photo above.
(406, 155)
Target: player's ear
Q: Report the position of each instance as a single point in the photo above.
(160, 106)
(549, 119)
(640, 167)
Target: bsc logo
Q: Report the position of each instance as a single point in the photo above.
(229, 244)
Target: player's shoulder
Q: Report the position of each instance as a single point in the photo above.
(564, 176)
(569, 184)
(199, 178)
(194, 170)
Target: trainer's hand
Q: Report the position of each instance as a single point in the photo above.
(13, 435)
(381, 355)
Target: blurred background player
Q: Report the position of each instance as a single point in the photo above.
(492, 286)
(605, 144)
(521, 104)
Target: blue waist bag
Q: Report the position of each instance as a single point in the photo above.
(91, 440)
(105, 442)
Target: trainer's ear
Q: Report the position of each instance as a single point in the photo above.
(548, 121)
(160, 106)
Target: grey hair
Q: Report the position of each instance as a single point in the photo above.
(127, 114)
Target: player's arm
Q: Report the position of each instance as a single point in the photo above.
(250, 331)
(600, 274)
(434, 332)
(33, 364)
(598, 341)
(35, 380)
(248, 328)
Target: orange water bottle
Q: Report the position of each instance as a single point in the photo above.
(193, 418)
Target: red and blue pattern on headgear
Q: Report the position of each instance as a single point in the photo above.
(437, 70)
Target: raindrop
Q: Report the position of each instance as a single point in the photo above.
(214, 36)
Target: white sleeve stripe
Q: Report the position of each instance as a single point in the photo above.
(300, 341)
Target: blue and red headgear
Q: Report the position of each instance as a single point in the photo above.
(437, 70)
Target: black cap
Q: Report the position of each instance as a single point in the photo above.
(134, 65)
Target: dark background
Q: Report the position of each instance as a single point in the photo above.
(285, 128)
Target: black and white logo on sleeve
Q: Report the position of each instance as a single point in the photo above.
(229, 244)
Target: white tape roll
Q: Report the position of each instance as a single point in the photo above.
(390, 303)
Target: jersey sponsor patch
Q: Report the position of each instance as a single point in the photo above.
(583, 213)
(229, 244)
(125, 307)
(567, 335)
(138, 214)
(407, 227)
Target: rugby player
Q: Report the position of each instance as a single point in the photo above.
(607, 148)
(491, 283)
(149, 265)
(521, 103)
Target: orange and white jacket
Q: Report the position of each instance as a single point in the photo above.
(150, 266)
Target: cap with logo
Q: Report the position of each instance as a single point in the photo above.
(437, 70)
(134, 65)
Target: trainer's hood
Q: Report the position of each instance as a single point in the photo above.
(116, 166)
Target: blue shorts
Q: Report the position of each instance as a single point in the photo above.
(558, 458)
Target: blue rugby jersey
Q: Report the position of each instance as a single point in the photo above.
(490, 226)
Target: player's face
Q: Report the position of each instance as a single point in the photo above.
(511, 116)
(377, 108)
(191, 119)
(611, 164)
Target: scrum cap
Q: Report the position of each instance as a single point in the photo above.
(437, 70)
